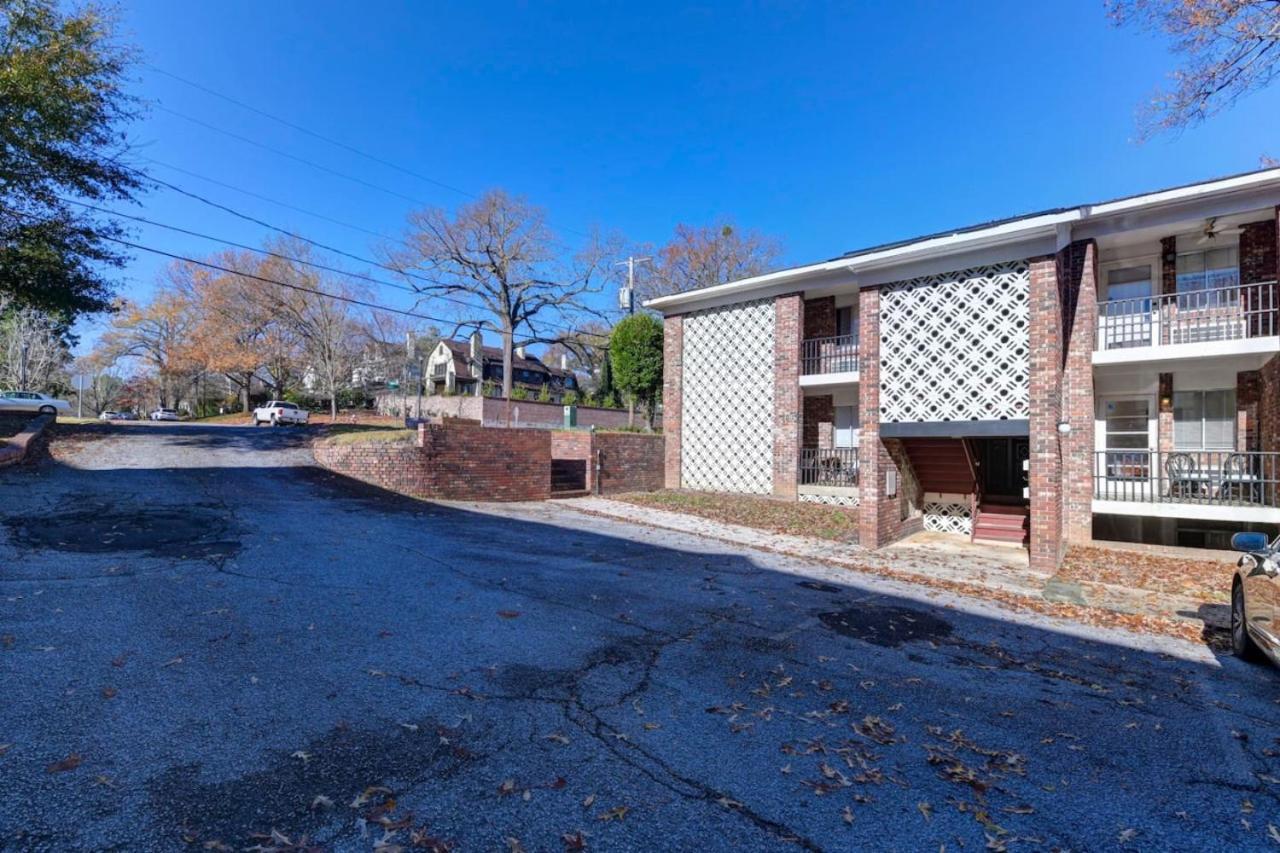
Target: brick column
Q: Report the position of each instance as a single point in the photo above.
(788, 397)
(1169, 265)
(672, 396)
(1164, 413)
(1080, 330)
(872, 457)
(1046, 410)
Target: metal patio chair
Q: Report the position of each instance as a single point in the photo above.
(1182, 472)
(1236, 481)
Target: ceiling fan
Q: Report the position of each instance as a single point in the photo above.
(1212, 232)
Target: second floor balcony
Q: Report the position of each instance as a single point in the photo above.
(1236, 319)
(833, 358)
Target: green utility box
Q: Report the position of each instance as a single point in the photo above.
(570, 417)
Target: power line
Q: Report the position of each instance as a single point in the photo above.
(302, 261)
(309, 132)
(282, 153)
(314, 134)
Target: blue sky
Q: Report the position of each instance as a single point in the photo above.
(829, 126)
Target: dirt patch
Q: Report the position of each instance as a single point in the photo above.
(187, 531)
(886, 625)
(791, 517)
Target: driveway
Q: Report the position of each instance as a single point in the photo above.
(205, 639)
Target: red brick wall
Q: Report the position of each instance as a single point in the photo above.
(575, 444)
(820, 317)
(788, 331)
(1269, 406)
(1164, 413)
(1079, 299)
(1248, 397)
(1258, 250)
(1169, 265)
(1046, 410)
(453, 462)
(818, 409)
(672, 396)
(629, 462)
(517, 412)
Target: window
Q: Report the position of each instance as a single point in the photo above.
(1130, 283)
(1208, 269)
(846, 426)
(846, 320)
(1204, 420)
(1127, 424)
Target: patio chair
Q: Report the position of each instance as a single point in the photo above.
(1180, 468)
(1236, 481)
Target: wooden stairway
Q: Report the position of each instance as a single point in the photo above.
(998, 522)
(940, 465)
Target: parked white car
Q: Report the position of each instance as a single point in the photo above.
(31, 401)
(165, 415)
(279, 412)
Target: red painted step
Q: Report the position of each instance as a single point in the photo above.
(1003, 523)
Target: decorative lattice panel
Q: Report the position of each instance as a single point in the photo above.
(946, 517)
(830, 500)
(955, 347)
(726, 430)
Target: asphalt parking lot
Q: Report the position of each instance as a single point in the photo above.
(204, 640)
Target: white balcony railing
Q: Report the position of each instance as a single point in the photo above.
(1230, 313)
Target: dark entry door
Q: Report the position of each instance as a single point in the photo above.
(1002, 472)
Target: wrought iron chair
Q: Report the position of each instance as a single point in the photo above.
(1181, 469)
(1236, 481)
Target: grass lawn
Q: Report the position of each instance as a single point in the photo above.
(777, 516)
(341, 433)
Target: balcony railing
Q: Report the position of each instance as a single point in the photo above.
(1196, 316)
(835, 466)
(837, 354)
(1208, 477)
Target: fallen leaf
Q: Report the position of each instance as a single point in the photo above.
(574, 840)
(1126, 835)
(847, 815)
(304, 757)
(648, 727)
(509, 614)
(1273, 833)
(588, 800)
(174, 662)
(71, 762)
(557, 738)
(508, 786)
(413, 727)
(616, 813)
(514, 845)
(108, 693)
(926, 810)
(5, 747)
(321, 802)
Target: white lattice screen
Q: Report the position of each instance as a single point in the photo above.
(849, 500)
(955, 347)
(948, 514)
(726, 433)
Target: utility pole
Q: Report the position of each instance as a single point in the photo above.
(80, 397)
(626, 296)
(22, 366)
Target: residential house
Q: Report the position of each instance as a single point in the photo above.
(466, 367)
(1103, 370)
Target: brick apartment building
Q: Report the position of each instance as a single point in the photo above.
(1102, 371)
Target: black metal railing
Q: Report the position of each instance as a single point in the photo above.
(835, 466)
(836, 354)
(1210, 477)
(1196, 316)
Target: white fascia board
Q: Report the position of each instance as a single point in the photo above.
(1060, 226)
(820, 380)
(1182, 194)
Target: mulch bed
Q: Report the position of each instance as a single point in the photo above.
(777, 516)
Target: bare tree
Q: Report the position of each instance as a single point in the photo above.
(326, 328)
(33, 347)
(701, 256)
(1229, 49)
(499, 254)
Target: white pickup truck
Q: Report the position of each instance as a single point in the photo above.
(279, 412)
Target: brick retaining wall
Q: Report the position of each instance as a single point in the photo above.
(468, 462)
